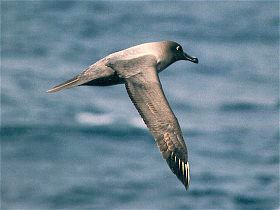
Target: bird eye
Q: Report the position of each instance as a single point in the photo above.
(178, 48)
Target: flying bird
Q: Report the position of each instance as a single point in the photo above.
(138, 67)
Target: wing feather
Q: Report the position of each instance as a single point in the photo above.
(145, 91)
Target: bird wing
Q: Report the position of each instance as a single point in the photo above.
(145, 91)
(94, 73)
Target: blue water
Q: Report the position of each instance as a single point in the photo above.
(88, 148)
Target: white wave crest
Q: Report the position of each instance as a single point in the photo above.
(94, 119)
(137, 122)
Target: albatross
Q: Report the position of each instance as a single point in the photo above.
(138, 67)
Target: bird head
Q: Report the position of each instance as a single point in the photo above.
(169, 52)
(178, 53)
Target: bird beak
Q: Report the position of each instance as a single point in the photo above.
(190, 58)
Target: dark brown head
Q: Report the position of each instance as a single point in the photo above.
(178, 53)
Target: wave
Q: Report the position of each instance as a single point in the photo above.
(94, 119)
(246, 106)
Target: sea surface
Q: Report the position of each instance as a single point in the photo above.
(87, 147)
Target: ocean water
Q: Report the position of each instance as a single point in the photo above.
(88, 148)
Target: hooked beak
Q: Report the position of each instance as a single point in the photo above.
(190, 58)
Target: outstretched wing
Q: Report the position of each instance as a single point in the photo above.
(145, 91)
(96, 74)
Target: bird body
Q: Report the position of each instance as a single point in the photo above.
(138, 67)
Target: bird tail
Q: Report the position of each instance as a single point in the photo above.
(76, 81)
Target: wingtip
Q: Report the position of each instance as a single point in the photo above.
(52, 90)
(181, 169)
(188, 178)
(56, 89)
(68, 84)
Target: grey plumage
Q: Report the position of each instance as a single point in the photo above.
(137, 67)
